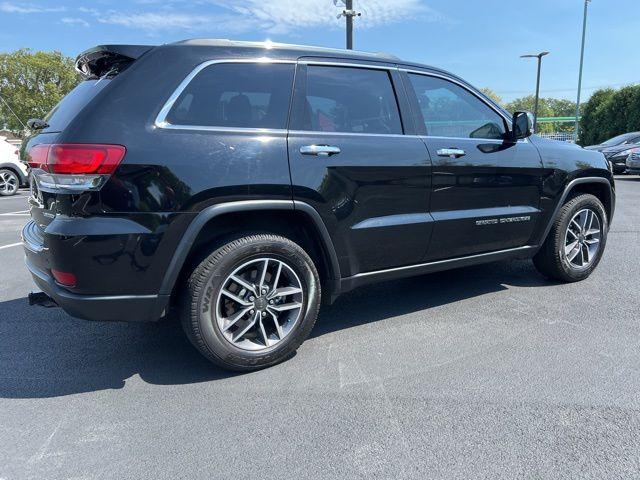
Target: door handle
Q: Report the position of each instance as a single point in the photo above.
(319, 150)
(451, 152)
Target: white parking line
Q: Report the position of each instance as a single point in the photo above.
(21, 212)
(10, 245)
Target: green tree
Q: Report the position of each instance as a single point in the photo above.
(32, 83)
(492, 95)
(593, 122)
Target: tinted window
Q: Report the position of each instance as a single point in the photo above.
(353, 100)
(78, 98)
(449, 110)
(245, 95)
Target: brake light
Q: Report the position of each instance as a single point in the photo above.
(76, 158)
(84, 159)
(67, 279)
(37, 156)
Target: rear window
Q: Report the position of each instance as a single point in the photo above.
(62, 114)
(241, 95)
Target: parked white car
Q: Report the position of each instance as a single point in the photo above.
(13, 173)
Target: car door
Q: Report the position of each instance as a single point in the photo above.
(351, 161)
(486, 188)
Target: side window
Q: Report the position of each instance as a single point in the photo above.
(449, 110)
(353, 100)
(245, 95)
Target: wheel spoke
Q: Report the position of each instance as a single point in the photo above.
(572, 233)
(283, 292)
(277, 324)
(277, 277)
(285, 306)
(573, 253)
(231, 321)
(592, 231)
(585, 219)
(570, 247)
(264, 273)
(263, 332)
(246, 285)
(236, 298)
(593, 241)
(238, 335)
(587, 254)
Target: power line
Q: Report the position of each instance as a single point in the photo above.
(14, 113)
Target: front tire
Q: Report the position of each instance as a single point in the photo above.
(252, 302)
(576, 241)
(9, 183)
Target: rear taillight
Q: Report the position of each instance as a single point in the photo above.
(84, 159)
(74, 166)
(37, 156)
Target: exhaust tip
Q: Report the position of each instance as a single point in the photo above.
(42, 300)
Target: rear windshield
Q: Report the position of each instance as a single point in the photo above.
(78, 98)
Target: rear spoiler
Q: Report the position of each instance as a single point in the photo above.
(108, 59)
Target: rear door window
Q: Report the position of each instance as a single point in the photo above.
(236, 95)
(351, 100)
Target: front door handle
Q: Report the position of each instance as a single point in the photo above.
(319, 150)
(451, 152)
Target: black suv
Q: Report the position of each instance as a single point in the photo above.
(238, 184)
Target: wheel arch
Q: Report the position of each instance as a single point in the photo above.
(600, 187)
(219, 223)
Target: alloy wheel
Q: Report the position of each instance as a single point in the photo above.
(8, 183)
(582, 239)
(259, 304)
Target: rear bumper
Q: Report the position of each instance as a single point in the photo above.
(111, 308)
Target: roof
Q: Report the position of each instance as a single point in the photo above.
(286, 47)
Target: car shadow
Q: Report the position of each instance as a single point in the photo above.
(46, 353)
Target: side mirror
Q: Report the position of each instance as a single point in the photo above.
(521, 124)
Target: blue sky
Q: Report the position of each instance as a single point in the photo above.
(479, 40)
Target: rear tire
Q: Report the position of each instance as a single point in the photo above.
(573, 248)
(9, 183)
(252, 302)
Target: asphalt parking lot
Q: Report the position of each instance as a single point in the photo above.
(483, 372)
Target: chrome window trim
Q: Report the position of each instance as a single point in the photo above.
(161, 118)
(329, 63)
(314, 133)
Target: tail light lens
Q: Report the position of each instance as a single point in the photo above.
(75, 166)
(84, 159)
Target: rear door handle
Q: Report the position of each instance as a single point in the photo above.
(451, 152)
(319, 150)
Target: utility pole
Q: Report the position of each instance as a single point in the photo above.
(535, 112)
(584, 32)
(348, 13)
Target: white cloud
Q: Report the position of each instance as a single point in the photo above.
(8, 7)
(271, 16)
(288, 15)
(74, 21)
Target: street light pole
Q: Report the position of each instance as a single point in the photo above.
(584, 32)
(535, 112)
(348, 13)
